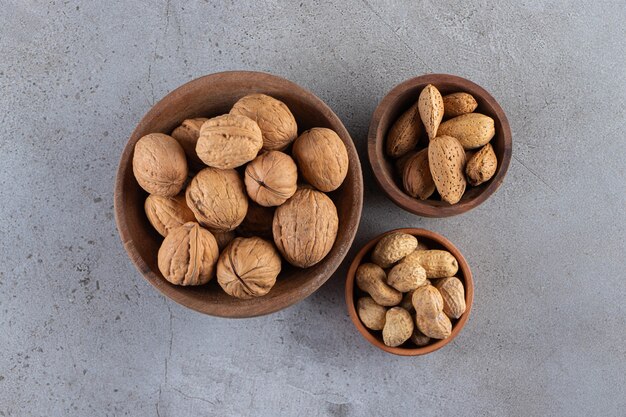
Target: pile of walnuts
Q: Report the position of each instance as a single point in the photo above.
(244, 206)
(455, 153)
(405, 278)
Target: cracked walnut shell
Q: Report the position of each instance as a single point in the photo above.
(159, 164)
(188, 255)
(305, 227)
(166, 213)
(248, 267)
(322, 158)
(277, 124)
(229, 141)
(271, 178)
(217, 198)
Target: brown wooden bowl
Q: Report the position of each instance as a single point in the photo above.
(210, 96)
(433, 241)
(399, 100)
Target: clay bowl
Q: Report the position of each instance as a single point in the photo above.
(433, 241)
(210, 96)
(399, 100)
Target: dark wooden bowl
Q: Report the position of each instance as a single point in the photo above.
(434, 241)
(400, 99)
(210, 96)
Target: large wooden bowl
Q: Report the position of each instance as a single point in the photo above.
(400, 99)
(210, 96)
(433, 241)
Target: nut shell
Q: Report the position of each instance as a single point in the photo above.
(398, 327)
(271, 179)
(372, 279)
(224, 238)
(446, 159)
(217, 198)
(416, 177)
(430, 107)
(277, 124)
(418, 338)
(457, 104)
(473, 130)
(406, 276)
(187, 135)
(407, 301)
(229, 141)
(248, 267)
(258, 221)
(437, 263)
(188, 255)
(482, 165)
(166, 213)
(404, 134)
(371, 313)
(159, 164)
(453, 294)
(393, 247)
(322, 158)
(305, 227)
(429, 316)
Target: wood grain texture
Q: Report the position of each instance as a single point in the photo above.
(398, 100)
(210, 96)
(433, 241)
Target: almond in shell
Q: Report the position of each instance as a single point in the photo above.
(446, 159)
(430, 107)
(473, 130)
(457, 104)
(416, 177)
(404, 134)
(482, 165)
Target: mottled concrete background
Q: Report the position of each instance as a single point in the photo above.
(81, 332)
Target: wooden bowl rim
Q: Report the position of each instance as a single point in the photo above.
(468, 283)
(332, 260)
(385, 179)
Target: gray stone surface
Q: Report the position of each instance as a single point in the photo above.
(81, 332)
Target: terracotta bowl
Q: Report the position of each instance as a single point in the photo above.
(210, 96)
(433, 241)
(400, 99)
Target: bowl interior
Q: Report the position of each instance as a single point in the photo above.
(353, 293)
(398, 101)
(211, 96)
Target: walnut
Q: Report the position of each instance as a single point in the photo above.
(248, 267)
(224, 238)
(187, 135)
(229, 141)
(188, 255)
(274, 118)
(305, 227)
(271, 178)
(166, 213)
(258, 221)
(322, 158)
(159, 164)
(217, 198)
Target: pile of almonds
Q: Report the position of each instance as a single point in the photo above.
(457, 151)
(413, 293)
(225, 195)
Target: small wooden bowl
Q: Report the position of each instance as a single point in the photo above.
(210, 96)
(433, 241)
(399, 100)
